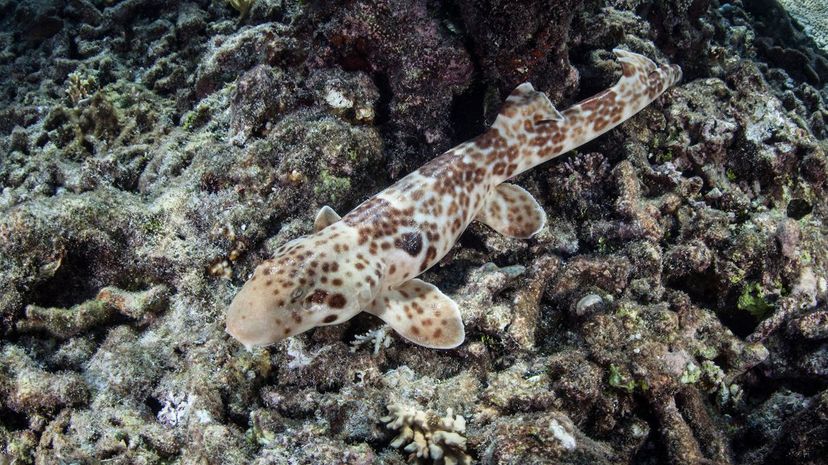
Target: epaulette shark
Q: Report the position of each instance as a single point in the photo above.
(369, 259)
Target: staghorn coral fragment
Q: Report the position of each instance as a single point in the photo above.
(682, 446)
(521, 331)
(136, 305)
(67, 322)
(26, 387)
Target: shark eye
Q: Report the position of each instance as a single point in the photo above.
(318, 297)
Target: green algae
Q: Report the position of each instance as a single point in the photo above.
(619, 381)
(331, 187)
(754, 301)
(691, 374)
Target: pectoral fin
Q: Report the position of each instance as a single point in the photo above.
(419, 312)
(326, 217)
(512, 211)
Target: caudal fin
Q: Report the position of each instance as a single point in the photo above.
(530, 117)
(643, 77)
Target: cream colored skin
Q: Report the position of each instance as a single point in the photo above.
(369, 260)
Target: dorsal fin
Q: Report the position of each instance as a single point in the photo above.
(526, 103)
(324, 218)
(632, 63)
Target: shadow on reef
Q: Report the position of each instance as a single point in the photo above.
(783, 44)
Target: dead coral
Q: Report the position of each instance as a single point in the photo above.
(67, 322)
(232, 53)
(352, 96)
(477, 300)
(17, 447)
(656, 232)
(27, 388)
(523, 387)
(260, 95)
(427, 436)
(541, 438)
(507, 41)
(80, 86)
(126, 367)
(527, 303)
(105, 432)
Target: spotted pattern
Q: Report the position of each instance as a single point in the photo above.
(369, 258)
(441, 198)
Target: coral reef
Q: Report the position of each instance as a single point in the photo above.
(423, 68)
(153, 153)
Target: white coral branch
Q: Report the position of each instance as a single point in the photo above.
(428, 436)
(378, 337)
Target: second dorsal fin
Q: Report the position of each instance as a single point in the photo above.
(526, 103)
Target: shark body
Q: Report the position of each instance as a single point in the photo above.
(369, 259)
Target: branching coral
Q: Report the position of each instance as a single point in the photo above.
(378, 338)
(429, 436)
(68, 322)
(80, 86)
(242, 6)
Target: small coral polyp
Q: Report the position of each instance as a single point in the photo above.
(426, 435)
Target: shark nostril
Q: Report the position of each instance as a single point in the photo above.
(297, 293)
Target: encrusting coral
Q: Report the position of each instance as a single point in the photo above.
(429, 436)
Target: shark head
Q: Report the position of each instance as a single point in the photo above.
(308, 283)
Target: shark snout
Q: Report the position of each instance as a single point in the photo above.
(247, 321)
